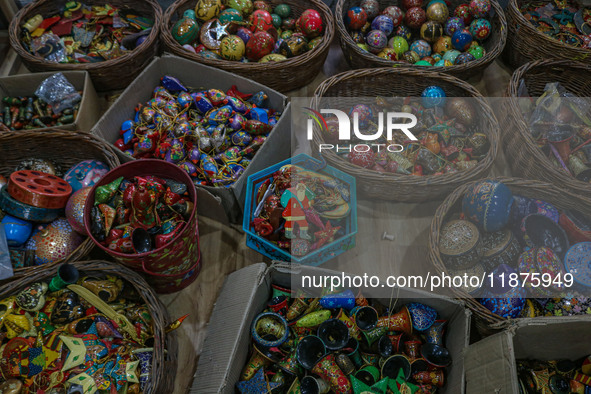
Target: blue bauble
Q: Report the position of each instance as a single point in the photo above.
(17, 230)
(383, 23)
(241, 138)
(433, 96)
(461, 40)
(421, 47)
(403, 32)
(488, 205)
(464, 58)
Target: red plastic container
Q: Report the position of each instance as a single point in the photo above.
(171, 267)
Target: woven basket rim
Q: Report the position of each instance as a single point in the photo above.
(444, 210)
(157, 309)
(534, 34)
(320, 50)
(14, 30)
(483, 62)
(523, 128)
(109, 157)
(401, 179)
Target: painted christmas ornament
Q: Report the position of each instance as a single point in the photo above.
(480, 29)
(443, 63)
(310, 23)
(244, 33)
(437, 12)
(464, 58)
(75, 210)
(86, 173)
(488, 204)
(410, 57)
(415, 17)
(477, 51)
(283, 10)
(383, 23)
(55, 242)
(404, 32)
(293, 46)
(208, 9)
(423, 62)
(260, 20)
(399, 44)
(356, 18)
(431, 31)
(388, 54)
(461, 40)
(376, 40)
(451, 55)
(244, 6)
(211, 34)
(453, 24)
(17, 230)
(232, 48)
(362, 159)
(408, 4)
(364, 113)
(371, 7)
(433, 96)
(480, 8)
(442, 45)
(186, 29)
(421, 47)
(230, 15)
(259, 45)
(395, 13)
(463, 11)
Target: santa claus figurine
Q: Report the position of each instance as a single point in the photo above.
(296, 201)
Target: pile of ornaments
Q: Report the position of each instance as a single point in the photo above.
(43, 209)
(31, 112)
(342, 343)
(211, 134)
(76, 333)
(301, 210)
(447, 133)
(141, 214)
(248, 31)
(507, 236)
(428, 36)
(554, 376)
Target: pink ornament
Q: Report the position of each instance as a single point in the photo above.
(75, 210)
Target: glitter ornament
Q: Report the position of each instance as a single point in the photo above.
(437, 12)
(415, 17)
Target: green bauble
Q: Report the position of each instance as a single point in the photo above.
(186, 29)
(283, 10)
(276, 21)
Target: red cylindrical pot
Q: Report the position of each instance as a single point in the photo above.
(175, 265)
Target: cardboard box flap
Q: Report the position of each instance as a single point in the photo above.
(229, 325)
(490, 366)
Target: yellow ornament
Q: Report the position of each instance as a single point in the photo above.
(131, 371)
(86, 381)
(16, 325)
(208, 9)
(232, 48)
(77, 352)
(244, 6)
(272, 57)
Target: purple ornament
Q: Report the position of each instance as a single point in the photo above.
(236, 121)
(241, 138)
(202, 103)
(453, 24)
(376, 40)
(141, 40)
(236, 104)
(189, 168)
(176, 152)
(86, 173)
(383, 23)
(244, 34)
(194, 154)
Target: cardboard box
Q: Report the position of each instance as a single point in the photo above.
(277, 147)
(26, 84)
(490, 363)
(246, 293)
(321, 255)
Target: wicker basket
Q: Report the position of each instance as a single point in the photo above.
(66, 148)
(283, 76)
(164, 363)
(527, 160)
(358, 58)
(389, 82)
(525, 43)
(106, 75)
(486, 322)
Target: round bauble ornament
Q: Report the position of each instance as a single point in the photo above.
(404, 32)
(488, 205)
(260, 44)
(262, 5)
(437, 12)
(443, 63)
(431, 31)
(423, 63)
(244, 34)
(358, 37)
(230, 15)
(451, 55)
(371, 7)
(283, 10)
(17, 230)
(277, 21)
(75, 210)
(429, 59)
(313, 43)
(410, 57)
(480, 8)
(186, 29)
(421, 47)
(310, 23)
(480, 29)
(408, 4)
(399, 44)
(363, 112)
(356, 17)
(288, 24)
(86, 173)
(415, 17)
(442, 45)
(244, 6)
(461, 40)
(293, 46)
(395, 13)
(463, 11)
(388, 54)
(477, 51)
(463, 58)
(260, 20)
(453, 24)
(232, 48)
(383, 23)
(460, 109)
(208, 9)
(362, 159)
(433, 96)
(55, 242)
(376, 40)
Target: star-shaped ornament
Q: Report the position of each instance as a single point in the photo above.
(257, 385)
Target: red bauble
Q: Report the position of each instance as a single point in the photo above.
(260, 20)
(395, 13)
(463, 11)
(310, 23)
(415, 17)
(408, 4)
(362, 159)
(261, 44)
